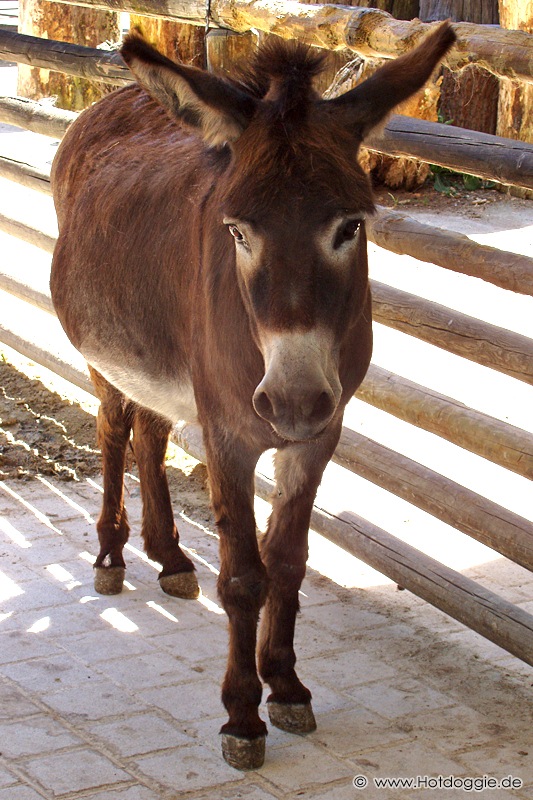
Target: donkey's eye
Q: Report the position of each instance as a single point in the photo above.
(237, 235)
(346, 232)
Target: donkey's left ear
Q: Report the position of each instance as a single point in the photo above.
(219, 110)
(368, 104)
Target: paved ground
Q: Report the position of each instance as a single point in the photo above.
(117, 698)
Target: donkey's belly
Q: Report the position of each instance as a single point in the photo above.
(172, 397)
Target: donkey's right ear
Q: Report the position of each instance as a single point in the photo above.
(219, 110)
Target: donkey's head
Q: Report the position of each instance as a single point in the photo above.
(294, 199)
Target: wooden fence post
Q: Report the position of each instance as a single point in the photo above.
(71, 24)
(515, 108)
(469, 99)
(226, 49)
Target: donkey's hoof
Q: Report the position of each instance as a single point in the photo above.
(292, 717)
(181, 584)
(109, 580)
(243, 754)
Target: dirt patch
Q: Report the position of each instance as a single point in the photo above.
(43, 432)
(454, 198)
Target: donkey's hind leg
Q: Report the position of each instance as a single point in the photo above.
(150, 439)
(113, 428)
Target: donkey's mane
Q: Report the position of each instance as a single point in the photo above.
(290, 65)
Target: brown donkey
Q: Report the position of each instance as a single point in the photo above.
(212, 261)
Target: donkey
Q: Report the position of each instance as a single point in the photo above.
(212, 261)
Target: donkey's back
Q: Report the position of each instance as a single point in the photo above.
(127, 182)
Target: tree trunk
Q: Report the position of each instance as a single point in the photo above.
(469, 99)
(226, 50)
(515, 108)
(516, 15)
(69, 24)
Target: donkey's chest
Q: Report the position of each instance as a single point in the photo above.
(171, 396)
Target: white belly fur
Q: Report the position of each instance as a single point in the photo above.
(172, 398)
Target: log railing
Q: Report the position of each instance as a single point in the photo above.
(369, 32)
(484, 155)
(72, 59)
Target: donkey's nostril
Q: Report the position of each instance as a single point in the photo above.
(263, 406)
(323, 407)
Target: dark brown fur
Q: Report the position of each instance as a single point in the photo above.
(146, 280)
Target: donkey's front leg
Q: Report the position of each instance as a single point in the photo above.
(284, 552)
(242, 588)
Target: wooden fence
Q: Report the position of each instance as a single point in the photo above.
(368, 31)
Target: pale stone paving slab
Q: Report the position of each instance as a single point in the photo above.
(75, 771)
(14, 704)
(40, 735)
(241, 792)
(349, 669)
(132, 793)
(19, 792)
(349, 732)
(18, 645)
(101, 645)
(406, 697)
(50, 674)
(188, 769)
(310, 766)
(91, 701)
(140, 734)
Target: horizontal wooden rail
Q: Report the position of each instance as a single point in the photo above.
(461, 598)
(72, 59)
(504, 444)
(369, 32)
(497, 441)
(478, 517)
(405, 235)
(490, 157)
(468, 337)
(26, 174)
(26, 292)
(36, 117)
(27, 233)
(482, 154)
(46, 359)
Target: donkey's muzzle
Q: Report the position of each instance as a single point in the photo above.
(300, 390)
(296, 414)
